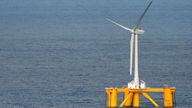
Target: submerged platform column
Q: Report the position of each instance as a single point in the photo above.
(114, 97)
(127, 98)
(136, 99)
(111, 97)
(168, 97)
(108, 92)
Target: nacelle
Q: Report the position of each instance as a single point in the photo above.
(139, 31)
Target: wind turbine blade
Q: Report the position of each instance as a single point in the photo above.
(131, 53)
(126, 28)
(140, 19)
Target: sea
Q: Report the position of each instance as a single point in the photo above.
(64, 53)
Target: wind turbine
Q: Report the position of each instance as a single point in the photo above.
(135, 31)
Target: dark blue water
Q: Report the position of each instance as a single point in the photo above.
(63, 53)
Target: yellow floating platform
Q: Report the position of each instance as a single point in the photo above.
(132, 96)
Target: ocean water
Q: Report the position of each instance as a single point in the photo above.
(63, 53)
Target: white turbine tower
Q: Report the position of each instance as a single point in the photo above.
(134, 45)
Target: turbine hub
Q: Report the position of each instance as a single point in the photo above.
(139, 31)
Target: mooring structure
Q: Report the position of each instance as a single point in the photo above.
(137, 87)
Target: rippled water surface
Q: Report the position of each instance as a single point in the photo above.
(63, 53)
